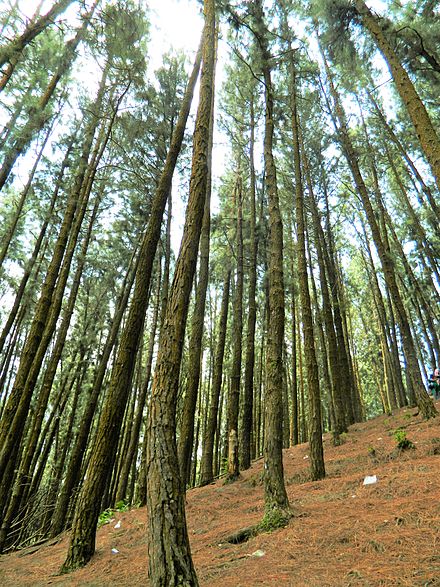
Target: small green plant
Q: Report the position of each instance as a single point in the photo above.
(407, 416)
(121, 506)
(223, 466)
(106, 516)
(403, 443)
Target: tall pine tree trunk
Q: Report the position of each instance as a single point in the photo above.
(197, 325)
(237, 334)
(315, 424)
(423, 401)
(170, 561)
(206, 464)
(249, 363)
(276, 500)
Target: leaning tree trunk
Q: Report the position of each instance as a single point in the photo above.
(30, 265)
(195, 344)
(18, 213)
(433, 215)
(424, 128)
(11, 53)
(129, 455)
(12, 424)
(423, 400)
(73, 472)
(19, 493)
(82, 544)
(170, 561)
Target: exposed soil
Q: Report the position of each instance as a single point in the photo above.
(343, 533)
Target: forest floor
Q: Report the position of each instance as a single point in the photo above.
(343, 533)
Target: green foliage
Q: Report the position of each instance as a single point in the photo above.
(223, 466)
(403, 443)
(121, 506)
(107, 515)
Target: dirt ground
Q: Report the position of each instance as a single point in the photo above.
(343, 533)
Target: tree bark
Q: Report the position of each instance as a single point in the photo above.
(276, 501)
(206, 464)
(237, 334)
(82, 544)
(249, 363)
(170, 561)
(317, 467)
(186, 438)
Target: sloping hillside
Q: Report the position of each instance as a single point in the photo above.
(343, 533)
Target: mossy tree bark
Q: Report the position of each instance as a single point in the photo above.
(276, 500)
(170, 561)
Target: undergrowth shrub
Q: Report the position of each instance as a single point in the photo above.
(403, 443)
(107, 515)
